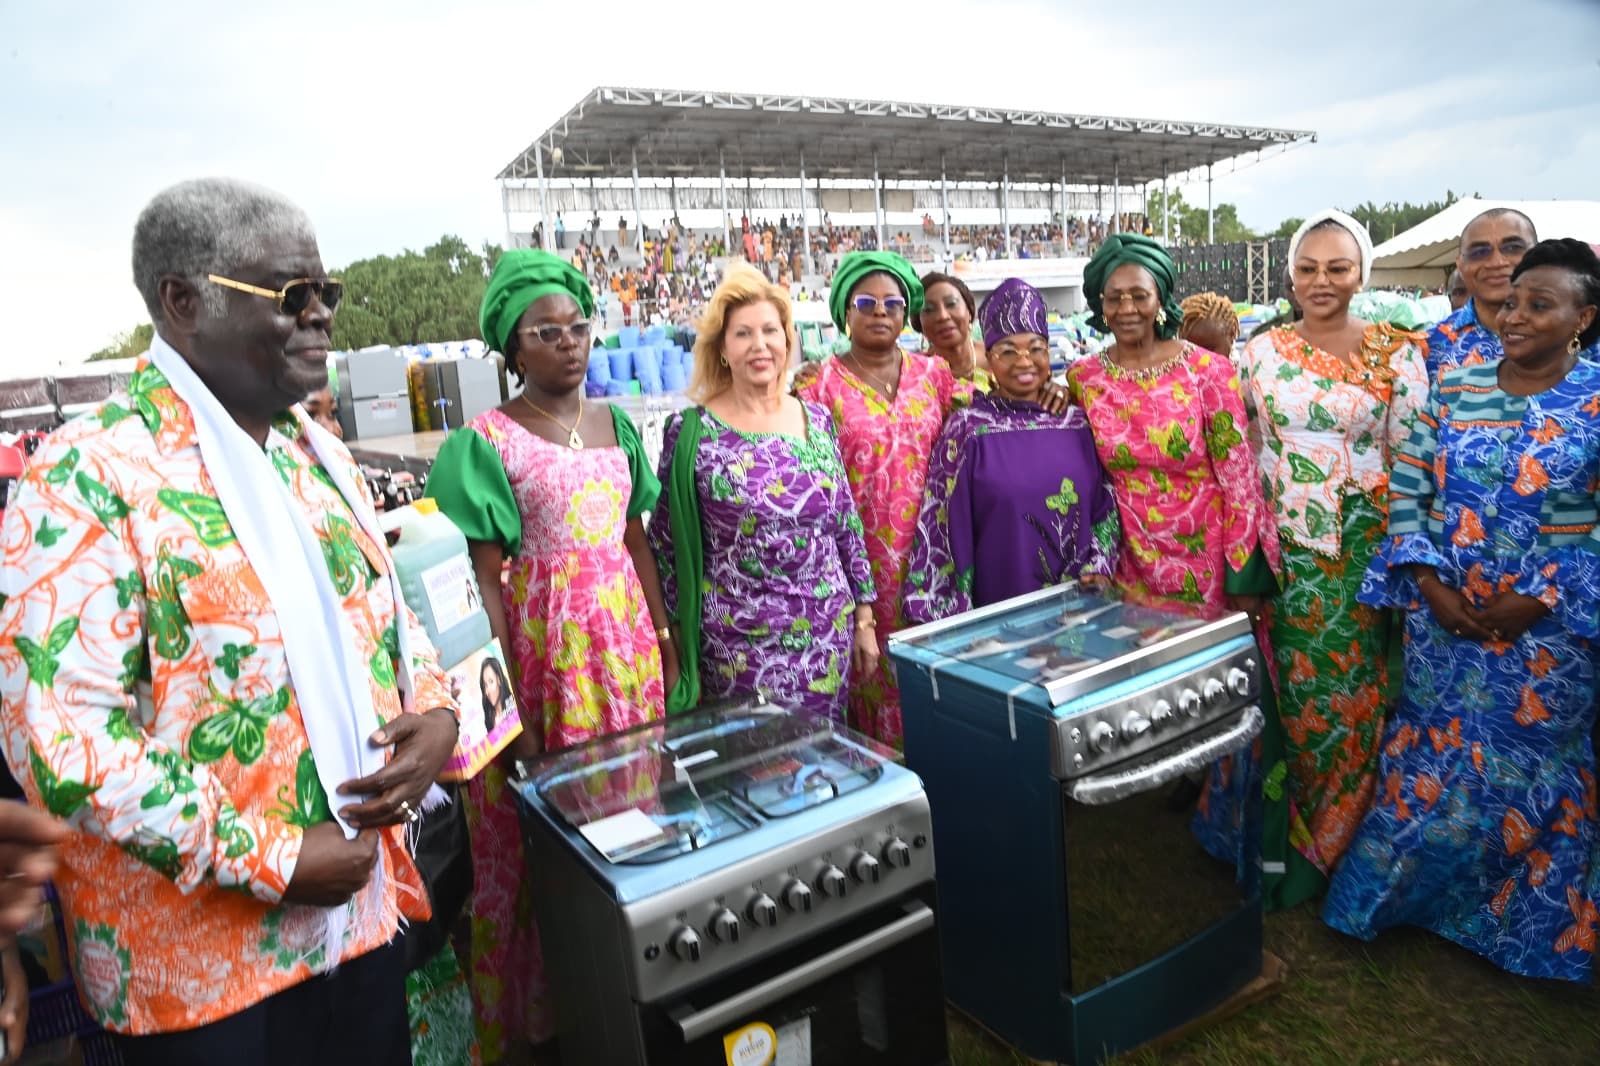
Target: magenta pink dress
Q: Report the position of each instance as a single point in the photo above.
(886, 447)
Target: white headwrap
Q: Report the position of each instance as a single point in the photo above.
(1356, 230)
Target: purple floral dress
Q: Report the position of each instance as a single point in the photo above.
(785, 562)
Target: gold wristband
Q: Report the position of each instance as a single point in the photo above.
(664, 633)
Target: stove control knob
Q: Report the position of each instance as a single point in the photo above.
(833, 882)
(1134, 726)
(685, 944)
(725, 926)
(897, 853)
(1102, 736)
(763, 910)
(797, 897)
(1160, 714)
(1238, 682)
(865, 869)
(1189, 702)
(1213, 692)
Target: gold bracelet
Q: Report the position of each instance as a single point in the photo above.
(664, 633)
(868, 622)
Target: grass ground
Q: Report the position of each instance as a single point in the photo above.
(1407, 999)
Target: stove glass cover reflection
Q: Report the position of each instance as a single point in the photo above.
(679, 785)
(1055, 638)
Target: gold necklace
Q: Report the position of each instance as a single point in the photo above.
(1142, 374)
(573, 440)
(888, 389)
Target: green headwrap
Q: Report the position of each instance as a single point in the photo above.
(1118, 250)
(522, 276)
(856, 265)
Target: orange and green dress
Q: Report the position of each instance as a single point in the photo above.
(1327, 430)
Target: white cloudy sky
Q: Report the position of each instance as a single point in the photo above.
(388, 119)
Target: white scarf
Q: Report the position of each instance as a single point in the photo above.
(329, 677)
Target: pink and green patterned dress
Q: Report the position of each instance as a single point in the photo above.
(886, 445)
(1173, 441)
(585, 652)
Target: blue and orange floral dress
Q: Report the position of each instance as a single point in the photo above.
(1483, 828)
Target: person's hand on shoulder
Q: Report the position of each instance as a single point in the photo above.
(805, 375)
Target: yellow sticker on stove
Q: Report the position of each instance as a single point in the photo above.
(754, 1045)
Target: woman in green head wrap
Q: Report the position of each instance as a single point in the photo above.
(557, 485)
(888, 407)
(1169, 424)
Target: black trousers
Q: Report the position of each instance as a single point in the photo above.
(355, 1015)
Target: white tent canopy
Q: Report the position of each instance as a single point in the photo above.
(1424, 254)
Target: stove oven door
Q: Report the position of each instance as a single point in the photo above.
(865, 993)
(1141, 887)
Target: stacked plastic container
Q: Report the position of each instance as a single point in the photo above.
(644, 362)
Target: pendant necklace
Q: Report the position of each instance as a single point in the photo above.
(574, 441)
(888, 389)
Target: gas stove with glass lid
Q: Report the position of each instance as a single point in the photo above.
(730, 880)
(1045, 728)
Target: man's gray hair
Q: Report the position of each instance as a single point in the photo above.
(209, 226)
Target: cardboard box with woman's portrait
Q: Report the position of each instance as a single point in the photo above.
(481, 685)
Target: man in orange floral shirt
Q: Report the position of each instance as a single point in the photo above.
(207, 672)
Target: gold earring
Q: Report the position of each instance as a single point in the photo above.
(1161, 317)
(723, 359)
(1575, 345)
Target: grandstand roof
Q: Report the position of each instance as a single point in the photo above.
(678, 133)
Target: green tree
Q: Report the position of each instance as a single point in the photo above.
(1286, 228)
(127, 344)
(1189, 223)
(1392, 218)
(1385, 221)
(414, 297)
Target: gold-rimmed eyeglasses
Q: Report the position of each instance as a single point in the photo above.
(295, 296)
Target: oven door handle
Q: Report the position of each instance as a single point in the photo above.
(695, 1024)
(1099, 789)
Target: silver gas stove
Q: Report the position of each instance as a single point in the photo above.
(744, 874)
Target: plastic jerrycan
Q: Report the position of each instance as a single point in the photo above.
(437, 579)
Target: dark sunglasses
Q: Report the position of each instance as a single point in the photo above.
(1511, 249)
(892, 305)
(294, 297)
